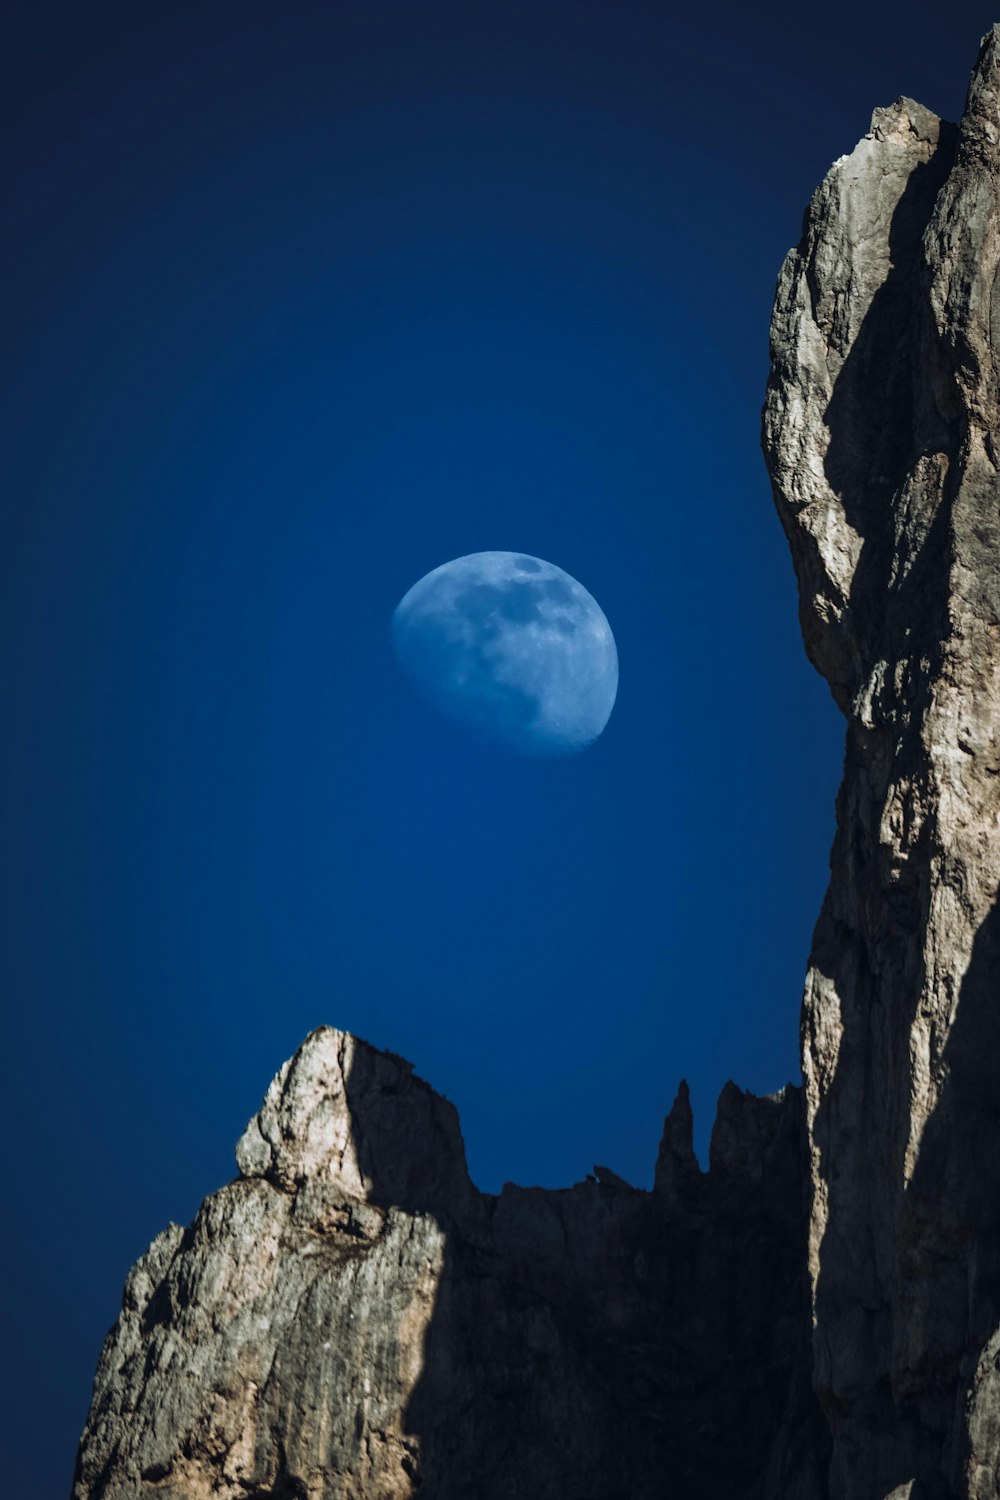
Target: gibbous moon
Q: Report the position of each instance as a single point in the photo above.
(512, 649)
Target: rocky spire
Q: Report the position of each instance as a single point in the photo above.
(677, 1170)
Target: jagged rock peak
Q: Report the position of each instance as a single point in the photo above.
(677, 1169)
(350, 1318)
(751, 1133)
(343, 1112)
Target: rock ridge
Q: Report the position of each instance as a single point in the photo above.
(351, 1317)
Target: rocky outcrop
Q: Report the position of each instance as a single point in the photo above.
(880, 432)
(350, 1318)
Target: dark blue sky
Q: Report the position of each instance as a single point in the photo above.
(302, 301)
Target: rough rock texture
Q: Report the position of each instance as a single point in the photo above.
(352, 1319)
(880, 432)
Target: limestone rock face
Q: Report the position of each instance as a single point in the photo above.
(880, 432)
(351, 1320)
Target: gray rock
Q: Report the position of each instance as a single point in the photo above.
(880, 435)
(350, 1318)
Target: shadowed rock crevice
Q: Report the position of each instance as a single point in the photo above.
(626, 1335)
(950, 1225)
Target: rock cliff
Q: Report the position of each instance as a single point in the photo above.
(880, 432)
(817, 1317)
(351, 1320)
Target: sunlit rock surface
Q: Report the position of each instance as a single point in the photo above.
(350, 1318)
(881, 431)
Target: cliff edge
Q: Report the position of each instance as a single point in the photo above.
(881, 431)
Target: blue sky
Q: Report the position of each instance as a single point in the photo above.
(306, 300)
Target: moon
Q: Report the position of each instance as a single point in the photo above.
(511, 649)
